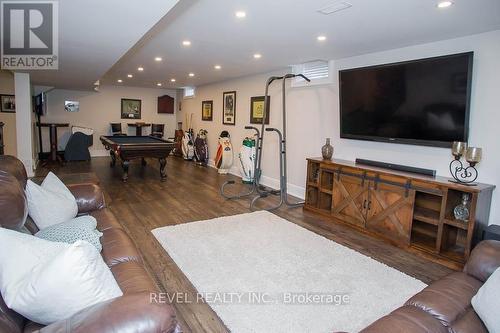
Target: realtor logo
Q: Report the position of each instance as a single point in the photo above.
(29, 35)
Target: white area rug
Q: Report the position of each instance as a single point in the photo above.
(256, 257)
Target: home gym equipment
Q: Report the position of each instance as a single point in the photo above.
(256, 187)
(246, 159)
(224, 157)
(201, 148)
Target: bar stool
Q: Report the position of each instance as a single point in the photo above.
(116, 129)
(158, 130)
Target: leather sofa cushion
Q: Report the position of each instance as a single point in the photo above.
(10, 321)
(117, 247)
(129, 313)
(13, 204)
(407, 319)
(32, 327)
(469, 322)
(448, 298)
(105, 219)
(89, 197)
(133, 278)
(15, 167)
(484, 260)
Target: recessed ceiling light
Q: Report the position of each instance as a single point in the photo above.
(240, 14)
(130, 75)
(186, 42)
(321, 38)
(217, 67)
(140, 69)
(119, 80)
(172, 80)
(444, 4)
(158, 59)
(257, 55)
(191, 74)
(159, 84)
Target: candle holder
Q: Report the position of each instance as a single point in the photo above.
(465, 175)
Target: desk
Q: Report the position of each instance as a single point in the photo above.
(53, 157)
(127, 148)
(138, 127)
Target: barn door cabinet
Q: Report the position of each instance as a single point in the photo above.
(409, 210)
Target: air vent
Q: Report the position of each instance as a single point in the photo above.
(334, 7)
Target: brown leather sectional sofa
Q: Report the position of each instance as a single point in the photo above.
(445, 305)
(133, 312)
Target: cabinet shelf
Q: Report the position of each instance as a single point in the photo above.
(457, 223)
(426, 215)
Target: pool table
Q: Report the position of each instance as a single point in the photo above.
(126, 148)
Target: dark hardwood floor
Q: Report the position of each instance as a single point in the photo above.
(191, 193)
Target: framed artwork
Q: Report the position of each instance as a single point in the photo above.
(257, 109)
(229, 108)
(207, 110)
(71, 106)
(8, 103)
(131, 108)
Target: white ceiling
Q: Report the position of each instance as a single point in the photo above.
(95, 34)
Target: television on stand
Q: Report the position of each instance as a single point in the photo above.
(420, 102)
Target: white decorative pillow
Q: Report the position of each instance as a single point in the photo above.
(487, 302)
(66, 279)
(51, 203)
(19, 253)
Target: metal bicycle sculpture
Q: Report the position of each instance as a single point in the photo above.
(255, 186)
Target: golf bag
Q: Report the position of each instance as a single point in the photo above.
(201, 148)
(224, 157)
(247, 160)
(187, 145)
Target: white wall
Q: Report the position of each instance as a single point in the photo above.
(24, 122)
(313, 115)
(99, 109)
(9, 119)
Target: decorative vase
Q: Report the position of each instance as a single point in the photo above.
(461, 211)
(327, 150)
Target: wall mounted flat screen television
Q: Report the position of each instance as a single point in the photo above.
(422, 102)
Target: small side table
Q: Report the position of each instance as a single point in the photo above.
(492, 232)
(53, 157)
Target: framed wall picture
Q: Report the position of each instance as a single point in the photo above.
(131, 108)
(257, 109)
(71, 106)
(229, 108)
(207, 110)
(8, 103)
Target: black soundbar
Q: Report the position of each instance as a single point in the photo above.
(398, 167)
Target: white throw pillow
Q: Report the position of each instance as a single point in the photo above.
(51, 203)
(19, 253)
(65, 279)
(487, 302)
